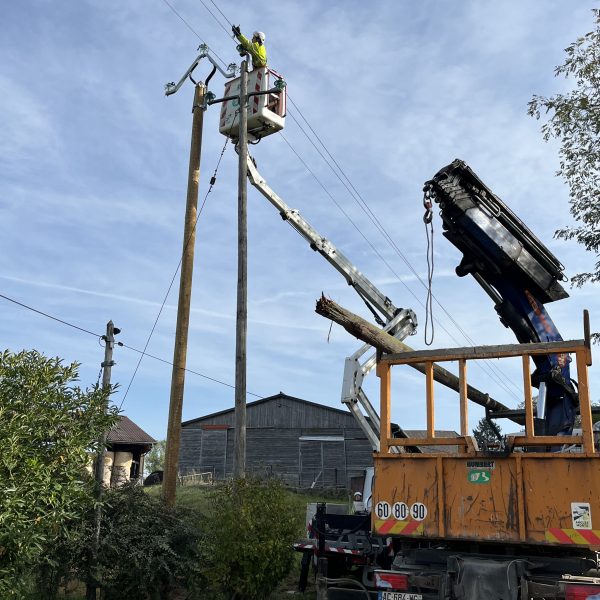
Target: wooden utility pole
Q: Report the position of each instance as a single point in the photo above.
(384, 342)
(183, 307)
(239, 454)
(107, 365)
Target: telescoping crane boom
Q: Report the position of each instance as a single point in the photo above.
(399, 322)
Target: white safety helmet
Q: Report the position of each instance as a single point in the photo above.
(260, 35)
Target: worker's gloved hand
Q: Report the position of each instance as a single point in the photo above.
(236, 30)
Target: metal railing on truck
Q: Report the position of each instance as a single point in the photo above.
(530, 493)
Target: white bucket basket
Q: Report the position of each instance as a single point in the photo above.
(266, 113)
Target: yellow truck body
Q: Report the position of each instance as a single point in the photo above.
(527, 495)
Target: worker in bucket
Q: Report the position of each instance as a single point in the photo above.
(255, 48)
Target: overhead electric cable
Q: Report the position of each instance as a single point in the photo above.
(193, 31)
(39, 312)
(373, 218)
(322, 185)
(121, 344)
(168, 362)
(490, 368)
(222, 14)
(216, 19)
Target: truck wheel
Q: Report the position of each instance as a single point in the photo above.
(304, 569)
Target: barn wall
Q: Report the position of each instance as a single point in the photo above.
(301, 457)
(302, 443)
(189, 449)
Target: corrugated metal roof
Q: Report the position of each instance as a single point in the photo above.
(127, 432)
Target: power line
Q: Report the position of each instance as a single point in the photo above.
(490, 368)
(99, 336)
(222, 14)
(186, 369)
(184, 21)
(344, 179)
(40, 312)
(215, 18)
(193, 30)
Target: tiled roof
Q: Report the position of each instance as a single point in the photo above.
(127, 432)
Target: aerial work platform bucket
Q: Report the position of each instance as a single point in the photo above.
(266, 112)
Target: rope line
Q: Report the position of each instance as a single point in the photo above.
(428, 302)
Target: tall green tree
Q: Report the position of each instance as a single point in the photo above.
(573, 118)
(484, 433)
(155, 459)
(48, 427)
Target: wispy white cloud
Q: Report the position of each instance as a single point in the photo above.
(94, 159)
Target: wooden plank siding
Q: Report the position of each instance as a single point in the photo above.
(298, 441)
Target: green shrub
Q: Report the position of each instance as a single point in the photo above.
(146, 548)
(155, 459)
(248, 544)
(47, 426)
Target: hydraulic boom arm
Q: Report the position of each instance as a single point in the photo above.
(518, 273)
(396, 321)
(400, 322)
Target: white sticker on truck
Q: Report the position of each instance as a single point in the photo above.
(401, 511)
(382, 510)
(418, 511)
(581, 513)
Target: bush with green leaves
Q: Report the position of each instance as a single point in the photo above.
(249, 537)
(48, 424)
(155, 459)
(573, 118)
(146, 548)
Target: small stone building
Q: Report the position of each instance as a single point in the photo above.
(303, 443)
(126, 446)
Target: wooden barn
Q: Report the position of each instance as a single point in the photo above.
(304, 443)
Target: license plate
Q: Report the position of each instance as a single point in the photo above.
(399, 596)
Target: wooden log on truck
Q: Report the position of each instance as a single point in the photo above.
(384, 342)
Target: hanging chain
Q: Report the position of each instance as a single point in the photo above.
(428, 196)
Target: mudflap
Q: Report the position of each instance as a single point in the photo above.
(490, 579)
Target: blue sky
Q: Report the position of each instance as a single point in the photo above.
(93, 173)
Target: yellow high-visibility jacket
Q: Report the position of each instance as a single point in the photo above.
(257, 51)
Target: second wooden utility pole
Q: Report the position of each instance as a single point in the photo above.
(183, 307)
(109, 340)
(239, 454)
